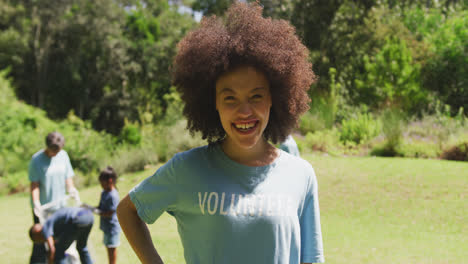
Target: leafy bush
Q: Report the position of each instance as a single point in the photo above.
(173, 139)
(391, 78)
(324, 141)
(15, 182)
(446, 70)
(392, 129)
(310, 123)
(458, 152)
(130, 134)
(131, 159)
(359, 128)
(322, 113)
(418, 149)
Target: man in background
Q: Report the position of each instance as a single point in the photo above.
(61, 229)
(50, 174)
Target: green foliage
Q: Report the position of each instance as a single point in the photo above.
(447, 71)
(14, 35)
(311, 122)
(419, 149)
(391, 78)
(323, 109)
(211, 7)
(392, 121)
(153, 47)
(320, 116)
(130, 159)
(105, 60)
(16, 182)
(324, 141)
(360, 128)
(130, 134)
(171, 139)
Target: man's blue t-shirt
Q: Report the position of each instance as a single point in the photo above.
(51, 174)
(109, 201)
(290, 146)
(227, 212)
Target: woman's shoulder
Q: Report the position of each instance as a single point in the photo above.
(297, 164)
(293, 159)
(195, 157)
(194, 154)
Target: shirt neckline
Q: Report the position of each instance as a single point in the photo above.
(241, 168)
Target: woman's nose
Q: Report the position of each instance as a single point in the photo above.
(245, 109)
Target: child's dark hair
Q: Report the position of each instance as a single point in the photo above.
(108, 173)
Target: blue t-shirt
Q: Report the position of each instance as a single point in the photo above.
(227, 212)
(109, 202)
(64, 220)
(51, 174)
(290, 146)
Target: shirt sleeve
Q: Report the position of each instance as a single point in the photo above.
(311, 233)
(69, 169)
(114, 201)
(100, 206)
(157, 193)
(32, 172)
(48, 227)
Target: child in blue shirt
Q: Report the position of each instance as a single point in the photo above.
(107, 206)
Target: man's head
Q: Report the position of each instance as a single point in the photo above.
(35, 233)
(54, 143)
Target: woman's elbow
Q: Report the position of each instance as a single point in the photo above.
(125, 207)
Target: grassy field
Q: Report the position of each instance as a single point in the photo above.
(374, 210)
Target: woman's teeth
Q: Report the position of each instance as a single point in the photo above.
(245, 126)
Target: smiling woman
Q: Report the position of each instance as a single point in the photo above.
(238, 199)
(243, 101)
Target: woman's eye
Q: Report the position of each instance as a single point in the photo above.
(228, 98)
(257, 96)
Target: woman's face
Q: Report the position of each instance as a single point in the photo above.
(243, 101)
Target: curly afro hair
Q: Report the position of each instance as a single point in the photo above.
(244, 37)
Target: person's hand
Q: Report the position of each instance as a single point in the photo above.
(96, 211)
(93, 209)
(87, 206)
(73, 192)
(38, 209)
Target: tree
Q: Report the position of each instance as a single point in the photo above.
(391, 78)
(211, 7)
(14, 37)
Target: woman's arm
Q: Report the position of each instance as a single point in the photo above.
(137, 232)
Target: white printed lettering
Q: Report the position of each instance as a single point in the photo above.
(221, 206)
(231, 208)
(240, 203)
(202, 204)
(269, 210)
(215, 207)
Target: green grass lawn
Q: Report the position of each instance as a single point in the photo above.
(374, 210)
